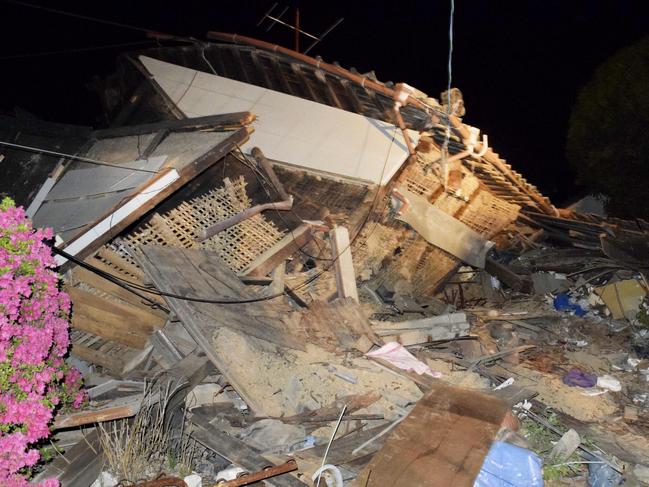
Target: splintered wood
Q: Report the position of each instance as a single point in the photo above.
(237, 246)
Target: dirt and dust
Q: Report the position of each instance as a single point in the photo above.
(288, 382)
(570, 400)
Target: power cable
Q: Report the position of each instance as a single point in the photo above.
(80, 16)
(74, 50)
(38, 150)
(133, 287)
(447, 136)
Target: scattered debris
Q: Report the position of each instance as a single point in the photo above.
(320, 316)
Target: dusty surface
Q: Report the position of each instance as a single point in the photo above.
(591, 361)
(570, 400)
(461, 378)
(290, 382)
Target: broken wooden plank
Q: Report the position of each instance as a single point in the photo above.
(343, 263)
(126, 409)
(442, 442)
(213, 122)
(278, 253)
(507, 276)
(235, 451)
(270, 172)
(199, 274)
(79, 465)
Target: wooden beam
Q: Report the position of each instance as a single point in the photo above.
(353, 99)
(270, 172)
(226, 120)
(110, 413)
(331, 95)
(238, 61)
(507, 276)
(279, 72)
(110, 362)
(262, 70)
(278, 253)
(305, 82)
(343, 263)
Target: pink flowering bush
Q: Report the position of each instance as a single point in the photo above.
(35, 381)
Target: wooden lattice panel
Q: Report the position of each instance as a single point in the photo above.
(489, 215)
(237, 246)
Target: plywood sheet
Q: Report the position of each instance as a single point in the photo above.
(442, 442)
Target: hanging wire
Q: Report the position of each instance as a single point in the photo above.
(447, 136)
(76, 50)
(135, 287)
(79, 16)
(39, 150)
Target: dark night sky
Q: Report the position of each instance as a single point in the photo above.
(519, 64)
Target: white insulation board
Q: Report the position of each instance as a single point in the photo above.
(290, 129)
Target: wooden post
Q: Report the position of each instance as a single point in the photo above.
(344, 266)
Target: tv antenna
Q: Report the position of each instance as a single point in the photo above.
(277, 19)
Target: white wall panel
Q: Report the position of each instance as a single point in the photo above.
(290, 129)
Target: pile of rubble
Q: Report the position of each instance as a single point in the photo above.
(320, 289)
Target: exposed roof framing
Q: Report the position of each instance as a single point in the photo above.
(280, 72)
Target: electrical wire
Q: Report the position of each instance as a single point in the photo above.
(74, 50)
(38, 150)
(132, 286)
(447, 135)
(80, 16)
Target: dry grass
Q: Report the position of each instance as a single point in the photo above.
(140, 448)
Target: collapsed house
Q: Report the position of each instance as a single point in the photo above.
(273, 231)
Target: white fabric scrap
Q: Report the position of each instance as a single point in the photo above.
(397, 355)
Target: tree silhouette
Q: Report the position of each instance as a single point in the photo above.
(608, 135)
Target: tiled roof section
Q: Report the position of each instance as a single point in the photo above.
(497, 175)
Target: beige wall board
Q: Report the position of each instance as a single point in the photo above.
(444, 231)
(288, 128)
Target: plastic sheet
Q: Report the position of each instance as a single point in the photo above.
(508, 465)
(563, 302)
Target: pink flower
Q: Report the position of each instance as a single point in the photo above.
(34, 322)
